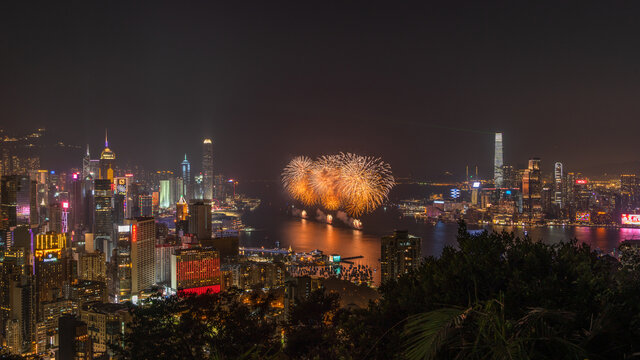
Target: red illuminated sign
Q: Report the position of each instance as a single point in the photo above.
(630, 219)
(75, 176)
(65, 205)
(213, 289)
(134, 233)
(581, 181)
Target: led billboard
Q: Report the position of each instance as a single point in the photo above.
(630, 219)
(455, 193)
(583, 216)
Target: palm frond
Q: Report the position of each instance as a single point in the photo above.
(425, 333)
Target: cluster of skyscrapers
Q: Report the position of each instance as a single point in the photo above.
(78, 247)
(527, 195)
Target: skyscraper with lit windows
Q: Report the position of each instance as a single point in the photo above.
(107, 161)
(49, 266)
(186, 178)
(103, 217)
(143, 247)
(399, 254)
(498, 175)
(532, 190)
(207, 169)
(557, 180)
(86, 164)
(195, 270)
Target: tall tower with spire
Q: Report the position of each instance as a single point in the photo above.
(107, 160)
(186, 178)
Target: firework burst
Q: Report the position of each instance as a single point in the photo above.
(356, 184)
(365, 183)
(324, 181)
(295, 178)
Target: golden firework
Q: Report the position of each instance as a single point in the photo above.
(295, 178)
(356, 184)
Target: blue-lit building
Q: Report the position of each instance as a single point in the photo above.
(186, 178)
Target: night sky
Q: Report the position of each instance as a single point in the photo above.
(421, 85)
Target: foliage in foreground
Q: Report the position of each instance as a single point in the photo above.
(495, 297)
(212, 326)
(503, 297)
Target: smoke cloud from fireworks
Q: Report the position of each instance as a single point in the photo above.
(352, 183)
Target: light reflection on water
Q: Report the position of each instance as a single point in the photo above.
(307, 235)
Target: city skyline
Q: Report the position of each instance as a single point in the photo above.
(319, 180)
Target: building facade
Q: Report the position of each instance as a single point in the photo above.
(195, 270)
(207, 169)
(399, 254)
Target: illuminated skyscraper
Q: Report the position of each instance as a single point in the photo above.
(92, 266)
(76, 202)
(13, 265)
(498, 175)
(198, 189)
(120, 289)
(107, 161)
(86, 164)
(103, 220)
(186, 178)
(532, 190)
(207, 169)
(143, 247)
(43, 186)
(120, 198)
(146, 205)
(399, 253)
(182, 216)
(49, 266)
(557, 179)
(165, 194)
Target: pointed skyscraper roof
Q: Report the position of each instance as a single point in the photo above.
(107, 154)
(185, 161)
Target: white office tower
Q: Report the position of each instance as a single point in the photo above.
(498, 176)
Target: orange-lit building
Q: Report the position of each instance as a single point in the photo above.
(49, 265)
